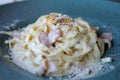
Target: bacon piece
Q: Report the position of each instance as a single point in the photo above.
(81, 70)
(107, 38)
(53, 35)
(48, 39)
(43, 38)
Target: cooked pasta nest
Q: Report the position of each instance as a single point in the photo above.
(54, 43)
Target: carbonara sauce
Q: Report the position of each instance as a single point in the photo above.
(56, 44)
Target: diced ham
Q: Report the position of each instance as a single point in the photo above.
(53, 35)
(81, 70)
(43, 38)
(107, 38)
(49, 38)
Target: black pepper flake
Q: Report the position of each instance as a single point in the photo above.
(43, 56)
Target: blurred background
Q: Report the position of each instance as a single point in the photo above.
(3, 2)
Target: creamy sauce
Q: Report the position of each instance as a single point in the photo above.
(57, 45)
